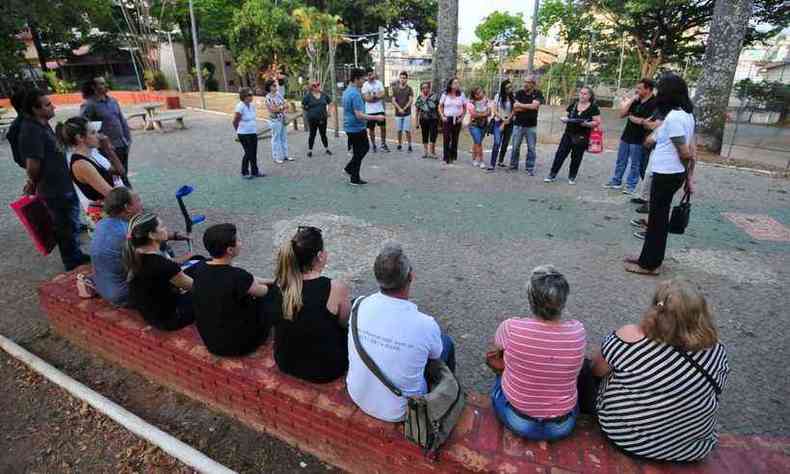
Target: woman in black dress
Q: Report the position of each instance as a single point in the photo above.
(583, 116)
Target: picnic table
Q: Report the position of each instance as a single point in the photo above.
(150, 111)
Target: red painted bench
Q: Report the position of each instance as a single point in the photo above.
(322, 419)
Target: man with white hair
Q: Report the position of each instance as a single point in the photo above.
(397, 337)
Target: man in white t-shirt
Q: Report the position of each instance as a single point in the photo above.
(397, 337)
(373, 95)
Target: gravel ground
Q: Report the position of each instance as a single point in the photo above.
(473, 238)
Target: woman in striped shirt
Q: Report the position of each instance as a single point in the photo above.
(659, 398)
(536, 395)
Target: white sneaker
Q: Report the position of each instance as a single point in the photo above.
(290, 158)
(279, 162)
(571, 181)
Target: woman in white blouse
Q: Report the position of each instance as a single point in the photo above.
(672, 164)
(246, 127)
(452, 108)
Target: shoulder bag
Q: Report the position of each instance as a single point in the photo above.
(709, 378)
(430, 418)
(681, 213)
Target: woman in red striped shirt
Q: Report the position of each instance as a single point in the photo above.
(535, 397)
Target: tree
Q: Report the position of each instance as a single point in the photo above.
(500, 30)
(670, 31)
(265, 35)
(727, 33)
(318, 35)
(446, 52)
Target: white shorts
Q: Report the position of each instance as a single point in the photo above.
(403, 124)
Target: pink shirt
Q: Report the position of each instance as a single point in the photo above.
(453, 105)
(542, 362)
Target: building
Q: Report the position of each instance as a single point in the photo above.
(173, 64)
(410, 56)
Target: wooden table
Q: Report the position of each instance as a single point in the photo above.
(150, 111)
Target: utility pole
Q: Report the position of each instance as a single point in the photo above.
(173, 56)
(356, 63)
(620, 69)
(533, 38)
(198, 67)
(382, 52)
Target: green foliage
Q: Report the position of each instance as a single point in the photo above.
(155, 79)
(763, 93)
(59, 85)
(500, 30)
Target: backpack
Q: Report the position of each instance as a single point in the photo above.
(13, 139)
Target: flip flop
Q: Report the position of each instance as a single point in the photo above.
(635, 268)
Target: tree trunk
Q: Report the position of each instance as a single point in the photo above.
(727, 30)
(445, 56)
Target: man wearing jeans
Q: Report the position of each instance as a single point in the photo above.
(637, 110)
(49, 178)
(525, 109)
(354, 119)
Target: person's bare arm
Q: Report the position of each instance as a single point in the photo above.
(440, 108)
(182, 281)
(339, 301)
(236, 121)
(595, 122)
(105, 146)
(625, 107)
(85, 173)
(258, 288)
(33, 169)
(535, 105)
(688, 156)
(600, 367)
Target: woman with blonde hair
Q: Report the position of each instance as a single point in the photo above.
(310, 311)
(662, 378)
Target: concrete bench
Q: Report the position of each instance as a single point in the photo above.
(138, 114)
(178, 117)
(322, 419)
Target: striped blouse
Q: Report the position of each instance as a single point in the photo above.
(542, 362)
(655, 404)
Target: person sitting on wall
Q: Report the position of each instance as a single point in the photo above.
(228, 300)
(397, 336)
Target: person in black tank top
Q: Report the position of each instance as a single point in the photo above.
(92, 179)
(310, 312)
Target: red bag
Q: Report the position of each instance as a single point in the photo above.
(34, 216)
(596, 141)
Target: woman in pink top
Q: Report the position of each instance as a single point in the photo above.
(536, 395)
(452, 108)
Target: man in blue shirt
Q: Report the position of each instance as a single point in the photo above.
(99, 106)
(354, 123)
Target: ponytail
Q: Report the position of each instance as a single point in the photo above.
(289, 279)
(140, 225)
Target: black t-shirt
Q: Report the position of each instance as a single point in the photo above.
(86, 188)
(226, 315)
(313, 345)
(635, 134)
(587, 115)
(37, 142)
(527, 118)
(315, 109)
(150, 290)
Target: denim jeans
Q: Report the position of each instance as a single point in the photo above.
(448, 352)
(65, 213)
(279, 140)
(624, 152)
(478, 133)
(501, 140)
(519, 133)
(531, 429)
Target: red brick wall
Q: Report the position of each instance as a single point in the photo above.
(171, 99)
(322, 419)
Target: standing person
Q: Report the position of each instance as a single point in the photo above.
(637, 109)
(354, 118)
(101, 107)
(314, 104)
(275, 103)
(526, 106)
(480, 112)
(452, 108)
(49, 177)
(427, 119)
(228, 300)
(503, 123)
(402, 100)
(373, 93)
(583, 116)
(672, 164)
(245, 123)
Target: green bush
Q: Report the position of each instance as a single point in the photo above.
(154, 79)
(59, 85)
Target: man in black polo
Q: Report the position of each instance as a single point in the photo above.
(637, 109)
(525, 110)
(48, 176)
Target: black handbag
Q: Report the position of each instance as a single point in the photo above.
(681, 213)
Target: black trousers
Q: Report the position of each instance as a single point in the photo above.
(249, 141)
(360, 147)
(450, 131)
(65, 213)
(123, 155)
(430, 130)
(645, 160)
(320, 127)
(661, 193)
(567, 147)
